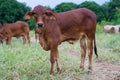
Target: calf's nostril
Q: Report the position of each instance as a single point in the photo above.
(40, 25)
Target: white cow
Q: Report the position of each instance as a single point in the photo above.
(111, 28)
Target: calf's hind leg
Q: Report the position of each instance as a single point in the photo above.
(83, 51)
(90, 52)
(24, 39)
(8, 41)
(28, 38)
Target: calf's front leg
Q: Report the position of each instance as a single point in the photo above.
(54, 57)
(8, 40)
(23, 38)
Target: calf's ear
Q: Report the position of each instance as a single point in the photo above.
(28, 15)
(50, 14)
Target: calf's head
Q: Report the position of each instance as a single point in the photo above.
(3, 35)
(36, 16)
(45, 30)
(42, 18)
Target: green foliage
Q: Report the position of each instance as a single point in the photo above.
(117, 16)
(109, 46)
(94, 7)
(99, 29)
(12, 11)
(107, 12)
(65, 7)
(31, 24)
(110, 9)
(104, 22)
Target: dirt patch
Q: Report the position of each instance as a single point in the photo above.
(106, 71)
(33, 40)
(102, 70)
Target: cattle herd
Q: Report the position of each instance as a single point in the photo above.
(54, 28)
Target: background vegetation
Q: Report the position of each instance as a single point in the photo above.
(11, 11)
(109, 12)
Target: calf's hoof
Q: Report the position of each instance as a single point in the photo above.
(82, 68)
(58, 70)
(51, 73)
(90, 72)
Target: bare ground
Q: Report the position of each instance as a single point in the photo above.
(33, 39)
(102, 70)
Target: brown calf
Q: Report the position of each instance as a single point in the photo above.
(18, 29)
(70, 26)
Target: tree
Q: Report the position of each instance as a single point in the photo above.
(116, 19)
(65, 7)
(105, 7)
(32, 24)
(12, 11)
(111, 9)
(94, 7)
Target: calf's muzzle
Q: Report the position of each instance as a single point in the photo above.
(40, 25)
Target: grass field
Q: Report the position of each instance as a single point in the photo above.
(24, 62)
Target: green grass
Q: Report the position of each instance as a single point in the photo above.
(26, 62)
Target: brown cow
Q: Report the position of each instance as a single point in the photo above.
(73, 25)
(18, 29)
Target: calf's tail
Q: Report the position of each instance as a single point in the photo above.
(95, 48)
